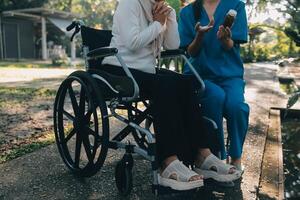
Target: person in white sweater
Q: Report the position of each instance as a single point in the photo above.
(133, 35)
(140, 29)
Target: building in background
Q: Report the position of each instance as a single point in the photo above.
(35, 33)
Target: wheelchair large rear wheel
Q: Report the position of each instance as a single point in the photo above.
(81, 124)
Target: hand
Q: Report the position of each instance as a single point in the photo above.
(201, 30)
(161, 7)
(224, 34)
(161, 18)
(161, 11)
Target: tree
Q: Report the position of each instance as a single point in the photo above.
(96, 13)
(64, 5)
(293, 32)
(17, 4)
(176, 4)
(291, 8)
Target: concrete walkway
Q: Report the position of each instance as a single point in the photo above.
(42, 175)
(33, 77)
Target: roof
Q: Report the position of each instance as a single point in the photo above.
(39, 12)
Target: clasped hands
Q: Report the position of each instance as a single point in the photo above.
(161, 11)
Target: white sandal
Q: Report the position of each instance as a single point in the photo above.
(223, 178)
(183, 175)
(240, 168)
(221, 172)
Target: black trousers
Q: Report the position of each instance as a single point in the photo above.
(177, 119)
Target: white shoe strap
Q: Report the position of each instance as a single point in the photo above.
(213, 161)
(182, 172)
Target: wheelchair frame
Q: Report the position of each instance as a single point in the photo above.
(142, 135)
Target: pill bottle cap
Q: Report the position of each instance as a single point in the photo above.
(232, 13)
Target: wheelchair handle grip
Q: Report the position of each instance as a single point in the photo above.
(76, 25)
(71, 26)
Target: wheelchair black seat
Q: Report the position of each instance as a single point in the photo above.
(94, 39)
(114, 86)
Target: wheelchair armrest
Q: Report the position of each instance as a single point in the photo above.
(181, 53)
(210, 122)
(102, 52)
(172, 53)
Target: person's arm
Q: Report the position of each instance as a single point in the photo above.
(128, 18)
(171, 34)
(194, 48)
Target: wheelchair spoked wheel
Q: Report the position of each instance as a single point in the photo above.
(123, 175)
(81, 125)
(140, 138)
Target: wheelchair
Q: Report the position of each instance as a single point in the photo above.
(85, 102)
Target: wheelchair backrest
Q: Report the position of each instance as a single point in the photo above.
(93, 39)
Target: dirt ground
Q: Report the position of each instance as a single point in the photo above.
(26, 101)
(24, 115)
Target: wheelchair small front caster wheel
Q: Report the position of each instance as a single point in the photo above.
(123, 175)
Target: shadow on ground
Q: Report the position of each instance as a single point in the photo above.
(42, 175)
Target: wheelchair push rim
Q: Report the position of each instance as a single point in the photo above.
(81, 125)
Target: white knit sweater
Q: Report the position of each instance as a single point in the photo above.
(132, 36)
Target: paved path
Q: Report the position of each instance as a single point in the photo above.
(42, 175)
(33, 77)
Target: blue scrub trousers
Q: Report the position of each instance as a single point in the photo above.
(225, 98)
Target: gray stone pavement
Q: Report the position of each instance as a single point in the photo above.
(33, 77)
(42, 174)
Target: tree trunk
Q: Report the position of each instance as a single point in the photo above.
(70, 5)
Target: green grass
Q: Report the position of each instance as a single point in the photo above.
(14, 153)
(27, 146)
(26, 64)
(289, 88)
(35, 64)
(19, 95)
(30, 64)
(44, 92)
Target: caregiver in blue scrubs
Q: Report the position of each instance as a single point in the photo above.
(215, 53)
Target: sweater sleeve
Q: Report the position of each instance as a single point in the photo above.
(171, 34)
(133, 37)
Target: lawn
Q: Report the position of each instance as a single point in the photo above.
(25, 64)
(37, 64)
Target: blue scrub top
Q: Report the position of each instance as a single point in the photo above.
(213, 61)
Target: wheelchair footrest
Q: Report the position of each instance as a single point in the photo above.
(211, 183)
(170, 193)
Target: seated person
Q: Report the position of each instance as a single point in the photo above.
(140, 28)
(215, 53)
